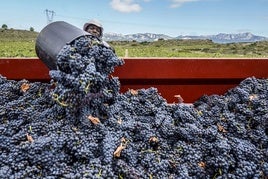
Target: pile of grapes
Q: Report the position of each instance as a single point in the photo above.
(80, 126)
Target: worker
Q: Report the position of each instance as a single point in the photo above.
(94, 27)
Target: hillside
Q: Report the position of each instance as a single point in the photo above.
(17, 35)
(21, 43)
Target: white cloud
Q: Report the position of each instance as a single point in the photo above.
(125, 6)
(178, 3)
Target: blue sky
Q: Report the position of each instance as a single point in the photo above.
(170, 17)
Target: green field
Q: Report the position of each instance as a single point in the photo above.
(21, 43)
(191, 48)
(17, 43)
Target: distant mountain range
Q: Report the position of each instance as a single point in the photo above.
(219, 38)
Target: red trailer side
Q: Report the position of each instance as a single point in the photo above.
(191, 78)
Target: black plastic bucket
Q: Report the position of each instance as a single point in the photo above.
(53, 38)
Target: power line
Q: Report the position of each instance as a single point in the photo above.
(50, 15)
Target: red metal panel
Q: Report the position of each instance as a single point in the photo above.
(174, 68)
(189, 92)
(188, 77)
(31, 69)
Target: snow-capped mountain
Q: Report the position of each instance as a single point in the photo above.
(228, 38)
(219, 38)
(140, 37)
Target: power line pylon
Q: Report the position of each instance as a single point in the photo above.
(50, 15)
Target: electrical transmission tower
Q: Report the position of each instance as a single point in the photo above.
(50, 15)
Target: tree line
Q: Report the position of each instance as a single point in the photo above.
(5, 27)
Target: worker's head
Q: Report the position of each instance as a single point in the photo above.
(94, 27)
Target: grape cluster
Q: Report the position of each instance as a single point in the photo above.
(81, 126)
